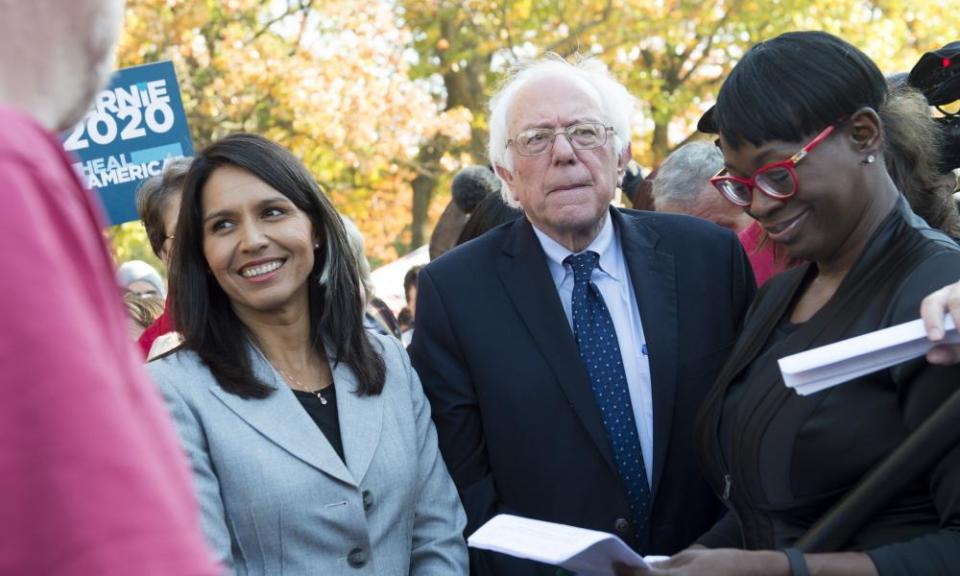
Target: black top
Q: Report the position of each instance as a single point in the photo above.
(325, 415)
(784, 460)
(733, 400)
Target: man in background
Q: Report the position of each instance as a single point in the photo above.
(92, 479)
(683, 186)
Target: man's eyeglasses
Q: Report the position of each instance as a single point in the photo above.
(581, 136)
(776, 179)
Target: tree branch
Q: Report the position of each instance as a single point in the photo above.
(583, 28)
(304, 18)
(302, 6)
(505, 22)
(706, 49)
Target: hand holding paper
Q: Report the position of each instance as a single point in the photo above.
(932, 310)
(820, 368)
(584, 552)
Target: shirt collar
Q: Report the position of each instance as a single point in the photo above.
(605, 244)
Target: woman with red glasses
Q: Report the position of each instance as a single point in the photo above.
(803, 146)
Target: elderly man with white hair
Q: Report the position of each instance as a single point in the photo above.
(682, 186)
(92, 480)
(565, 354)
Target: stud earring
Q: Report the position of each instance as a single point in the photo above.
(870, 159)
(316, 245)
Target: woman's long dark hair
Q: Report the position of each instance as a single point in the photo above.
(201, 309)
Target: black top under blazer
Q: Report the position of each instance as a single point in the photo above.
(518, 425)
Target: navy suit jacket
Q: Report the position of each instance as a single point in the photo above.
(518, 425)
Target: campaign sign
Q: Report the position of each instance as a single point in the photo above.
(133, 128)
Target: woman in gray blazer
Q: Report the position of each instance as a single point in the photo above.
(310, 439)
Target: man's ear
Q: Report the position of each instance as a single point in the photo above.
(624, 158)
(503, 173)
(866, 130)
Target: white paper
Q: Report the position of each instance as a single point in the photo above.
(582, 551)
(820, 368)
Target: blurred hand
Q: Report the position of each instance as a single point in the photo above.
(932, 310)
(720, 562)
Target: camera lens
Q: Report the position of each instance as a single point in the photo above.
(950, 143)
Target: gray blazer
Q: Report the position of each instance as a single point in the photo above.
(275, 497)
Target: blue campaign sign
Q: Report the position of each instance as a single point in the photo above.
(134, 126)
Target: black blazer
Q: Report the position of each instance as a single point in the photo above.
(518, 425)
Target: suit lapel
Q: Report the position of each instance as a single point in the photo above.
(281, 418)
(361, 418)
(654, 284)
(524, 273)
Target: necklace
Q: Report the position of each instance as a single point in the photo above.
(290, 379)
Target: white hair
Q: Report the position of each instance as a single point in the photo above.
(684, 173)
(357, 249)
(56, 56)
(591, 74)
(137, 270)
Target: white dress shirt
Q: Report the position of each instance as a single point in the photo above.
(612, 278)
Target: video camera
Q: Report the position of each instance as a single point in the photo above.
(937, 76)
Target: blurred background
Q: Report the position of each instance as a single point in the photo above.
(385, 100)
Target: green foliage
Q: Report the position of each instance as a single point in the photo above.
(129, 242)
(384, 100)
(671, 54)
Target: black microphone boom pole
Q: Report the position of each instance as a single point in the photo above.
(915, 456)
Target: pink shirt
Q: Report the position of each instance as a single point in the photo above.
(762, 260)
(92, 479)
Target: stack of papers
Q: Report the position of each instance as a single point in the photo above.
(820, 368)
(584, 552)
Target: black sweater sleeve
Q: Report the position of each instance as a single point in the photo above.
(923, 388)
(936, 553)
(724, 534)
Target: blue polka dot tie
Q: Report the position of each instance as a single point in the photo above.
(600, 353)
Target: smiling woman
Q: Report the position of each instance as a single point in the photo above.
(803, 146)
(294, 416)
(258, 244)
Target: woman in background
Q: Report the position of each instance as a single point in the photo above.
(142, 311)
(158, 204)
(140, 278)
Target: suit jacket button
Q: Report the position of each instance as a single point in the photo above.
(357, 558)
(621, 526)
(367, 500)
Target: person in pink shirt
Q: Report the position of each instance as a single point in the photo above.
(92, 479)
(762, 254)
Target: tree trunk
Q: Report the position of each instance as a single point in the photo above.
(423, 187)
(464, 87)
(660, 146)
